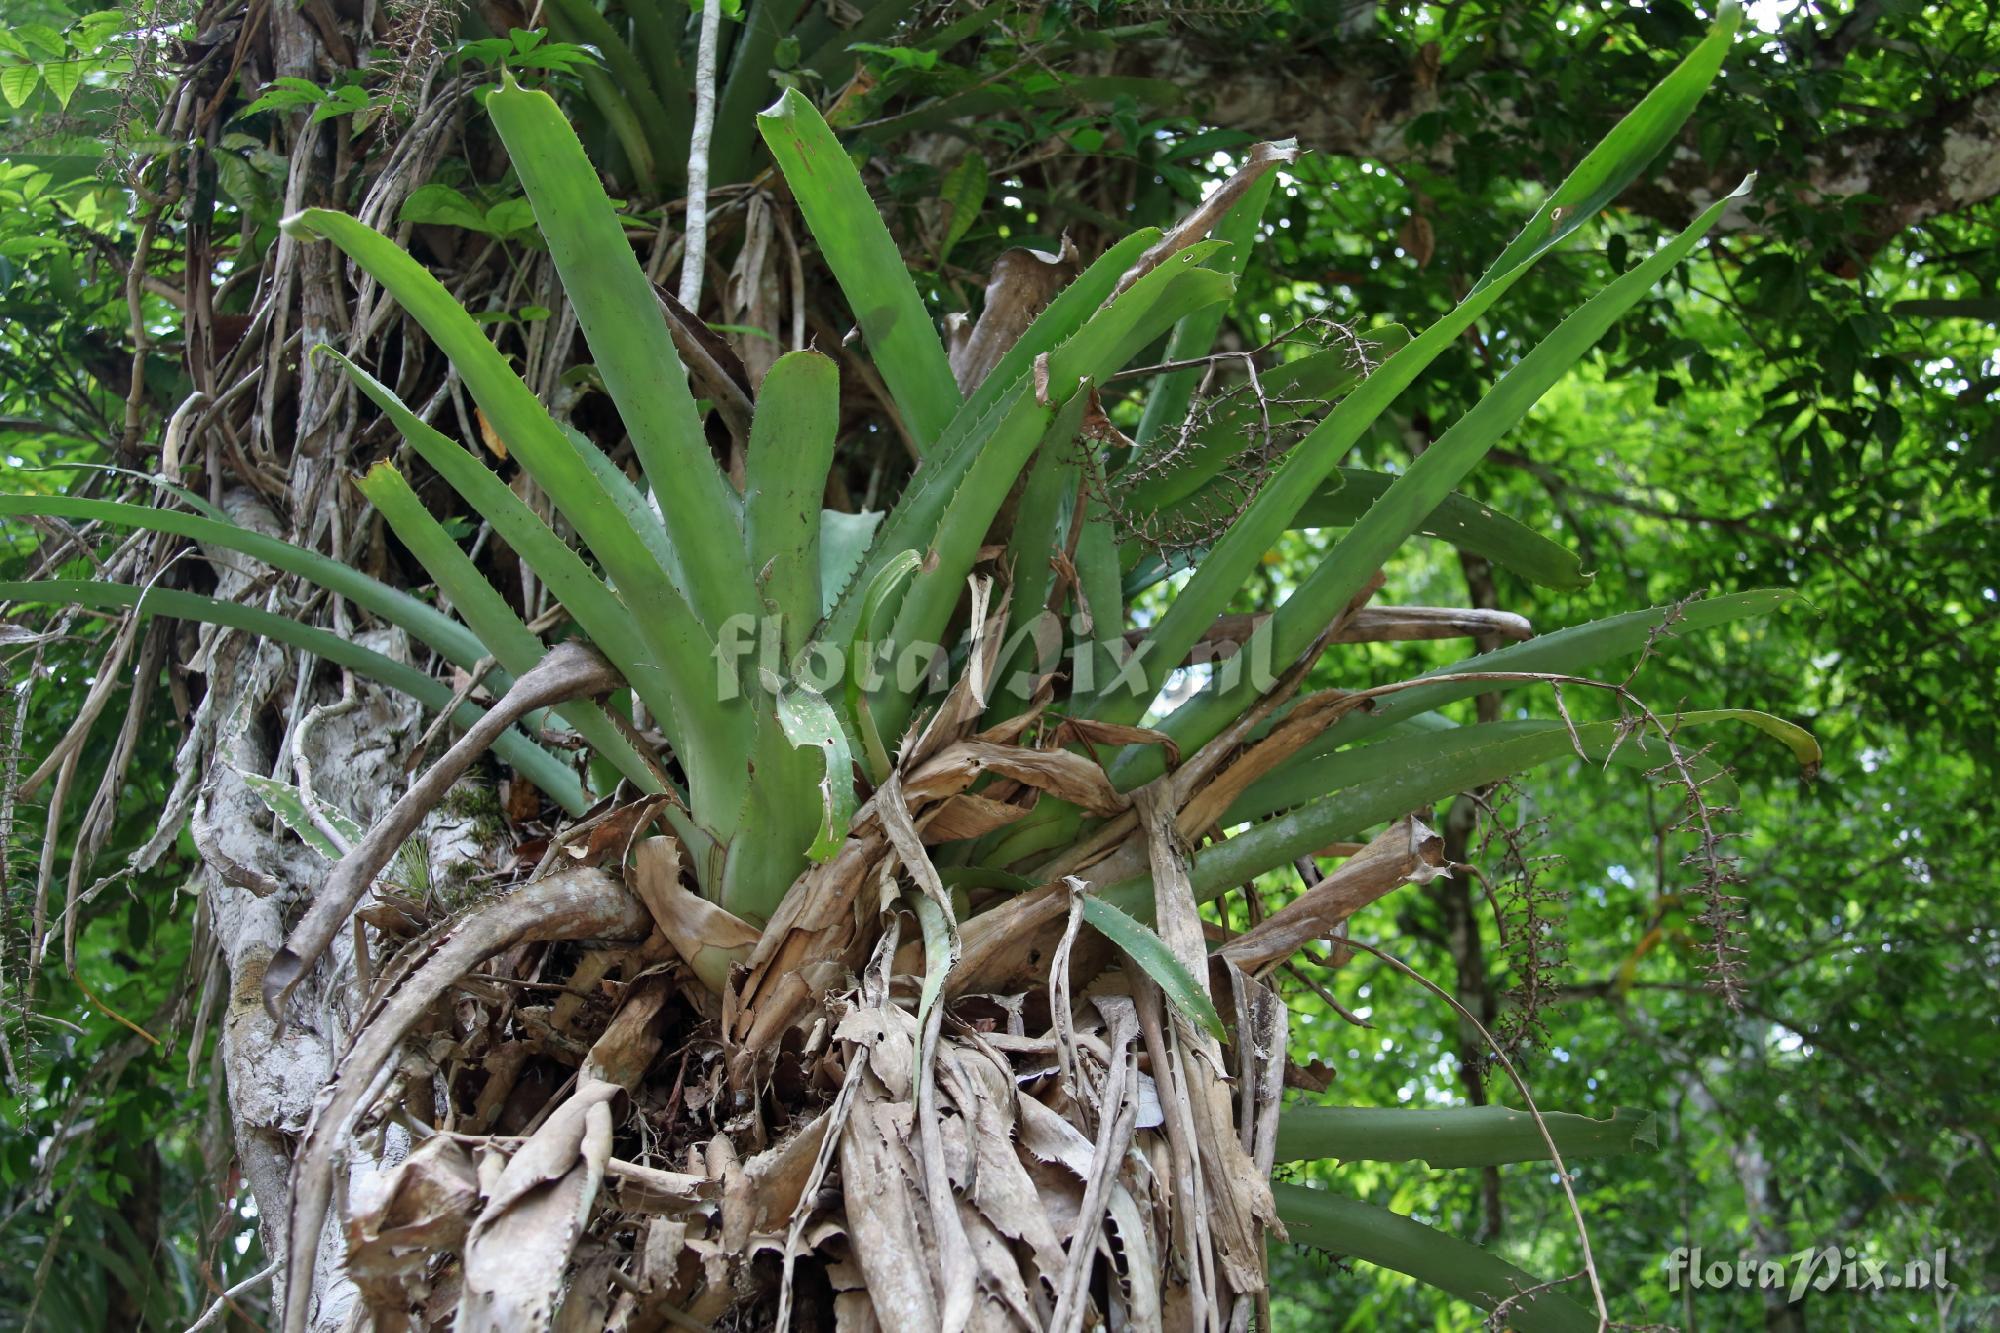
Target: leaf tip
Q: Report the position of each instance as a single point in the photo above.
(303, 225)
(786, 107)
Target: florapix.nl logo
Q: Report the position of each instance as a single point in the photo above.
(1034, 649)
(1815, 1268)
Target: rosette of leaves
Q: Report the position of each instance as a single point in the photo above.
(875, 880)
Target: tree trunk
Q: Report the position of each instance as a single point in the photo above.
(272, 714)
(275, 459)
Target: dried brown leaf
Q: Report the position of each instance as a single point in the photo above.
(521, 1244)
(1089, 732)
(1120, 1106)
(1406, 852)
(886, 1214)
(1210, 211)
(610, 836)
(966, 701)
(400, 1221)
(969, 816)
(646, 1189)
(1022, 283)
(489, 436)
(626, 1048)
(1061, 773)
(1240, 1205)
(570, 904)
(709, 939)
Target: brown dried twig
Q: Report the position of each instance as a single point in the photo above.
(569, 671)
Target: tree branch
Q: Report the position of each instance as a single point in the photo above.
(1362, 98)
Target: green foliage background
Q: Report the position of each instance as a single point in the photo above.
(1808, 404)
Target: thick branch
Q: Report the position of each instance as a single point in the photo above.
(1360, 100)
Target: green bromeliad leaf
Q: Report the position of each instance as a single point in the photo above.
(1151, 953)
(620, 315)
(1460, 520)
(545, 770)
(1345, 496)
(604, 617)
(865, 261)
(1286, 394)
(1340, 1225)
(1575, 650)
(952, 501)
(311, 819)
(1168, 398)
(913, 521)
(809, 722)
(288, 803)
(844, 540)
(1337, 796)
(657, 141)
(676, 651)
(953, 498)
(486, 612)
(1609, 167)
(1391, 520)
(791, 447)
(423, 622)
(1631, 146)
(1455, 1136)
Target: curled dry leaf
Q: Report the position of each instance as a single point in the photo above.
(887, 1220)
(610, 837)
(647, 1189)
(774, 1182)
(626, 1048)
(1407, 852)
(1061, 773)
(713, 363)
(1022, 283)
(815, 922)
(1119, 1106)
(709, 938)
(982, 1084)
(1211, 210)
(969, 816)
(519, 1247)
(963, 705)
(1090, 732)
(398, 1222)
(753, 295)
(569, 904)
(1048, 1139)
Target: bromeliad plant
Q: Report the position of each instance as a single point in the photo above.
(889, 815)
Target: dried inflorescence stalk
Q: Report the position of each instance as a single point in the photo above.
(1528, 909)
(418, 32)
(1268, 422)
(1717, 867)
(150, 26)
(13, 1003)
